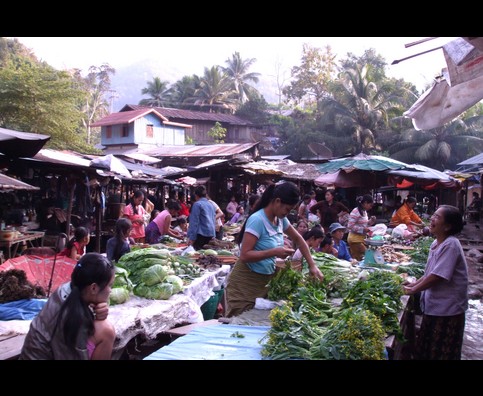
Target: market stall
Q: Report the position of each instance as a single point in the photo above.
(137, 316)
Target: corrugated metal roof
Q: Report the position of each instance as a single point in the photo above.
(212, 150)
(172, 114)
(8, 183)
(126, 117)
(61, 157)
(286, 168)
(142, 157)
(209, 163)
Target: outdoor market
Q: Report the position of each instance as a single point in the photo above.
(159, 248)
(194, 295)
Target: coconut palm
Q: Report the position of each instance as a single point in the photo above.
(215, 91)
(159, 92)
(358, 107)
(183, 91)
(237, 72)
(440, 148)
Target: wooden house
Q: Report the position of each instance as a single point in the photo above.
(238, 130)
(144, 127)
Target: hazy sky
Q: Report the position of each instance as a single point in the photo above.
(191, 54)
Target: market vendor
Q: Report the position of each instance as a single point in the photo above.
(406, 215)
(261, 243)
(444, 290)
(161, 224)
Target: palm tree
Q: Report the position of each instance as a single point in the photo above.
(440, 148)
(183, 91)
(358, 107)
(159, 92)
(237, 72)
(215, 91)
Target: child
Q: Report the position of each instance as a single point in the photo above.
(182, 226)
(76, 247)
(239, 216)
(313, 237)
(327, 246)
(121, 242)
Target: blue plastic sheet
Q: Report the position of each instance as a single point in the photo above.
(223, 342)
(21, 309)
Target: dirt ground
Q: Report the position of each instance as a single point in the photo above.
(472, 240)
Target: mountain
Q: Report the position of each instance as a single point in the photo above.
(128, 82)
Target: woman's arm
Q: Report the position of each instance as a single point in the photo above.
(168, 230)
(104, 337)
(249, 255)
(422, 284)
(73, 253)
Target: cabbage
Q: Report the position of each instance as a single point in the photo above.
(141, 290)
(118, 295)
(153, 275)
(176, 281)
(121, 279)
(159, 291)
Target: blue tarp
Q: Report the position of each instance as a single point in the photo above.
(223, 342)
(21, 309)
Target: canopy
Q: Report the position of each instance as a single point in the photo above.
(362, 162)
(361, 170)
(21, 144)
(355, 178)
(112, 164)
(8, 183)
(429, 178)
(460, 89)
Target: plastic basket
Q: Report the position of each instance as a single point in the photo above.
(208, 309)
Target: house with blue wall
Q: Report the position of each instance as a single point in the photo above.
(142, 128)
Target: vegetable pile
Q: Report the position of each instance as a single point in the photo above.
(151, 273)
(310, 326)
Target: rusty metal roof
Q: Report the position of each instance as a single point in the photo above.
(173, 114)
(126, 117)
(285, 168)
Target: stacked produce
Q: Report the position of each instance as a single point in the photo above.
(152, 273)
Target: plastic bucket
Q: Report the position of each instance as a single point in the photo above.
(208, 309)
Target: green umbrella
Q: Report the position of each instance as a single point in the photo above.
(362, 162)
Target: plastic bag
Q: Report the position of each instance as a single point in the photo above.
(401, 231)
(378, 229)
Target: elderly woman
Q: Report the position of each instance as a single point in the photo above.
(444, 290)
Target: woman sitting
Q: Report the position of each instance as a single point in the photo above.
(72, 325)
(406, 215)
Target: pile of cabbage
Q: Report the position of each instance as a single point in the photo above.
(147, 273)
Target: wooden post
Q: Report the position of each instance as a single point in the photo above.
(98, 221)
(72, 184)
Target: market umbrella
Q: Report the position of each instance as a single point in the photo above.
(21, 144)
(48, 272)
(361, 162)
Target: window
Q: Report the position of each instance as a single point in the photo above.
(149, 131)
(108, 132)
(125, 131)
